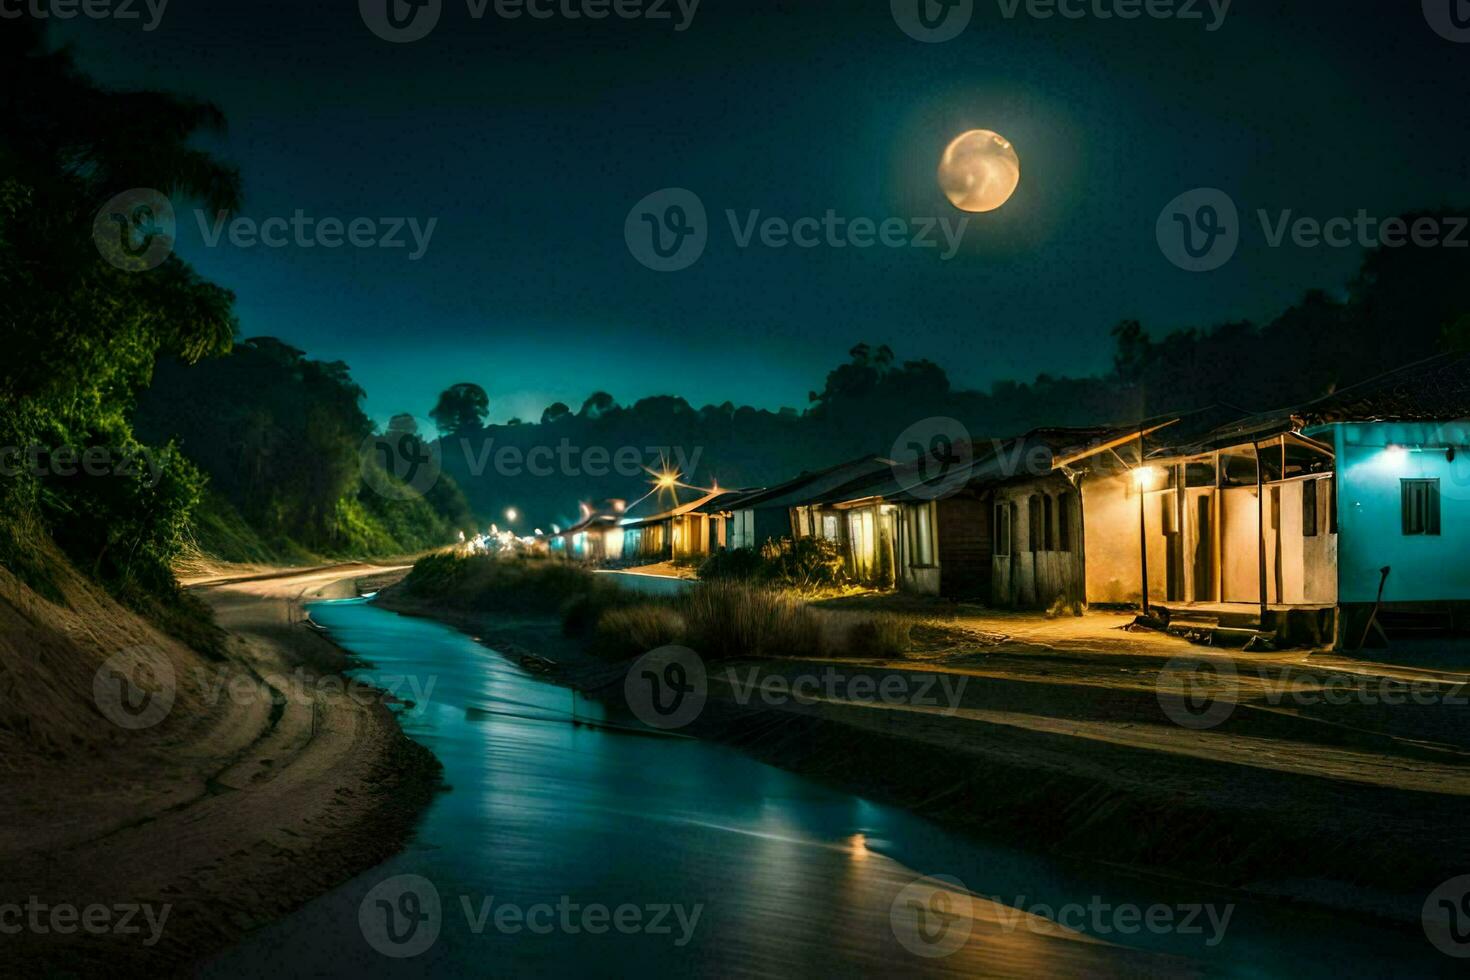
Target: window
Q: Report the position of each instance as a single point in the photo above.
(1048, 526)
(742, 529)
(1033, 521)
(1002, 531)
(1309, 507)
(829, 527)
(1421, 506)
(923, 536)
(1064, 522)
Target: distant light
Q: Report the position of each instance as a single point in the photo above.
(555, 529)
(1144, 476)
(510, 514)
(1395, 453)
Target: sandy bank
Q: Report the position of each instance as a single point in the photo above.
(260, 788)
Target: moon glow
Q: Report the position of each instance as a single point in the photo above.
(979, 171)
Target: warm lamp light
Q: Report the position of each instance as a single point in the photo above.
(1144, 476)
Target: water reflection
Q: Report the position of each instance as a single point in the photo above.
(788, 877)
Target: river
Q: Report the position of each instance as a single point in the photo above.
(573, 850)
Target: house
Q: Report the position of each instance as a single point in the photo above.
(956, 532)
(596, 537)
(680, 532)
(766, 515)
(717, 512)
(1296, 521)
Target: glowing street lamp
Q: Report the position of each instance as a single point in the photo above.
(511, 514)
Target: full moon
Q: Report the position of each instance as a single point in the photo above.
(979, 171)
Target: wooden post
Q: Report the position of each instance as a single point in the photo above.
(1142, 526)
(1261, 531)
(1217, 533)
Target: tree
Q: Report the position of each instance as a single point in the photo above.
(598, 404)
(555, 412)
(91, 332)
(461, 409)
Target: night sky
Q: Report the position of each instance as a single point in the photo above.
(529, 141)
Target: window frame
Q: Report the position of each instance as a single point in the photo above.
(1429, 524)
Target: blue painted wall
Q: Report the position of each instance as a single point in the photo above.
(1372, 459)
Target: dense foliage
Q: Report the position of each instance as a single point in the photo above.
(281, 437)
(82, 335)
(256, 451)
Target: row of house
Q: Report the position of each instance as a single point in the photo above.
(1308, 522)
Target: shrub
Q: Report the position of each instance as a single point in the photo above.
(882, 636)
(805, 564)
(633, 630)
(581, 612)
(490, 582)
(726, 619)
(739, 563)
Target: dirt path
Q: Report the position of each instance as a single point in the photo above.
(274, 782)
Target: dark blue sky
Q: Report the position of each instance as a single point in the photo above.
(530, 141)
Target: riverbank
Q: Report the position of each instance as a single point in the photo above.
(1353, 807)
(266, 780)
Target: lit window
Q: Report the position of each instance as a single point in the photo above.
(1421, 506)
